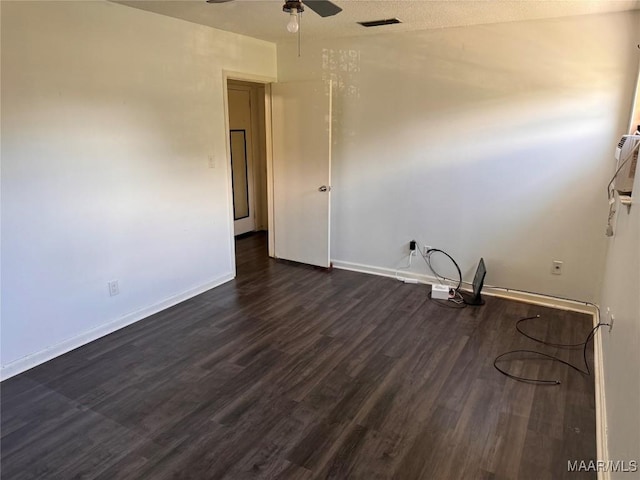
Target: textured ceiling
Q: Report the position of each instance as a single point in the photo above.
(264, 19)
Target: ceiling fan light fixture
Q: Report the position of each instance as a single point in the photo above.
(291, 6)
(294, 25)
(294, 8)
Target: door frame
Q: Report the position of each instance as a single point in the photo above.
(266, 81)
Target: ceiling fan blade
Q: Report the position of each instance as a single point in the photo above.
(324, 8)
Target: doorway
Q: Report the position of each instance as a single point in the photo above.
(248, 147)
(280, 166)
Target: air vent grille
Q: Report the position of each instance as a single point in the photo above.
(378, 23)
(621, 143)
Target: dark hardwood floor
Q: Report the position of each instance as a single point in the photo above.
(293, 372)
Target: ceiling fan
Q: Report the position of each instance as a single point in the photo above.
(324, 8)
(294, 8)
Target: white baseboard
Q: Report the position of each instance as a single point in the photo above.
(540, 299)
(602, 446)
(25, 363)
(533, 298)
(370, 269)
(537, 299)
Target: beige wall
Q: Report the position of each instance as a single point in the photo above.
(494, 141)
(491, 141)
(112, 118)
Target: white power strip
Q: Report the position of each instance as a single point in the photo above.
(440, 292)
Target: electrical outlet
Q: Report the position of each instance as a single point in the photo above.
(427, 248)
(556, 268)
(611, 320)
(212, 161)
(113, 288)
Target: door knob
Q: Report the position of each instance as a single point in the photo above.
(324, 188)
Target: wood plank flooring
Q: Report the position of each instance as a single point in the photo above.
(293, 372)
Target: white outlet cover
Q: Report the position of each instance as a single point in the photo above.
(556, 267)
(113, 288)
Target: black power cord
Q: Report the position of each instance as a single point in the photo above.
(517, 290)
(446, 303)
(427, 258)
(449, 303)
(544, 342)
(586, 371)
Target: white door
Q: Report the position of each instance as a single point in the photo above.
(301, 131)
(241, 145)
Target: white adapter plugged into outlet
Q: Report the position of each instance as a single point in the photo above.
(610, 319)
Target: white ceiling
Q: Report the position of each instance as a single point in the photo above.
(264, 19)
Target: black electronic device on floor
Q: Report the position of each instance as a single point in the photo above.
(474, 298)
